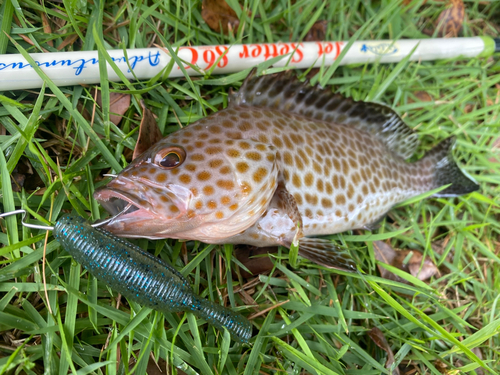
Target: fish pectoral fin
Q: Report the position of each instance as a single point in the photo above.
(326, 253)
(286, 202)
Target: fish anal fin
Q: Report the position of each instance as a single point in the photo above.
(326, 253)
(284, 92)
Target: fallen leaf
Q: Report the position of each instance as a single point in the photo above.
(217, 14)
(422, 271)
(317, 32)
(379, 339)
(69, 40)
(249, 257)
(17, 181)
(118, 105)
(386, 254)
(421, 96)
(159, 367)
(451, 19)
(46, 27)
(149, 132)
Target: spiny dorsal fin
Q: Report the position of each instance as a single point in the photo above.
(285, 92)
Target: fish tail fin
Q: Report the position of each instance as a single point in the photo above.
(446, 171)
(326, 253)
(221, 317)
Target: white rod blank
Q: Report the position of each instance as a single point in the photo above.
(74, 68)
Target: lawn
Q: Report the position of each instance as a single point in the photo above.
(56, 318)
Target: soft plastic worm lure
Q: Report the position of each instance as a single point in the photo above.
(137, 275)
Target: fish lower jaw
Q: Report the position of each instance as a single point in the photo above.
(122, 206)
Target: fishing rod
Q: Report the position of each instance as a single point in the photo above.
(82, 67)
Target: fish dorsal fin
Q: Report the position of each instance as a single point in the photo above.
(283, 91)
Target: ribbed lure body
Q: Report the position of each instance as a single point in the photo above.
(141, 277)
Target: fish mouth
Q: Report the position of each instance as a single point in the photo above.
(122, 205)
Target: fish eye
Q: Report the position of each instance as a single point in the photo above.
(170, 157)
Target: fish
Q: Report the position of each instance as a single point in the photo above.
(284, 163)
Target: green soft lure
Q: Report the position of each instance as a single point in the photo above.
(141, 277)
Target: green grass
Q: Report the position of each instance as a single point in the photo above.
(314, 320)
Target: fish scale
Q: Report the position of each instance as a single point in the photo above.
(284, 162)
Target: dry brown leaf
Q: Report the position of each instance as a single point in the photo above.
(379, 339)
(17, 181)
(451, 19)
(386, 254)
(69, 40)
(247, 255)
(149, 132)
(317, 32)
(46, 27)
(158, 368)
(217, 14)
(422, 96)
(118, 105)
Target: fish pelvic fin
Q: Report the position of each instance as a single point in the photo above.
(284, 92)
(446, 171)
(326, 253)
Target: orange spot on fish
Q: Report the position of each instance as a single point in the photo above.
(233, 153)
(185, 178)
(215, 163)
(225, 184)
(340, 199)
(190, 167)
(225, 170)
(259, 174)
(204, 176)
(244, 145)
(245, 188)
(242, 167)
(197, 157)
(208, 190)
(213, 150)
(162, 177)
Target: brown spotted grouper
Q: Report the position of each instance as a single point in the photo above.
(284, 162)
